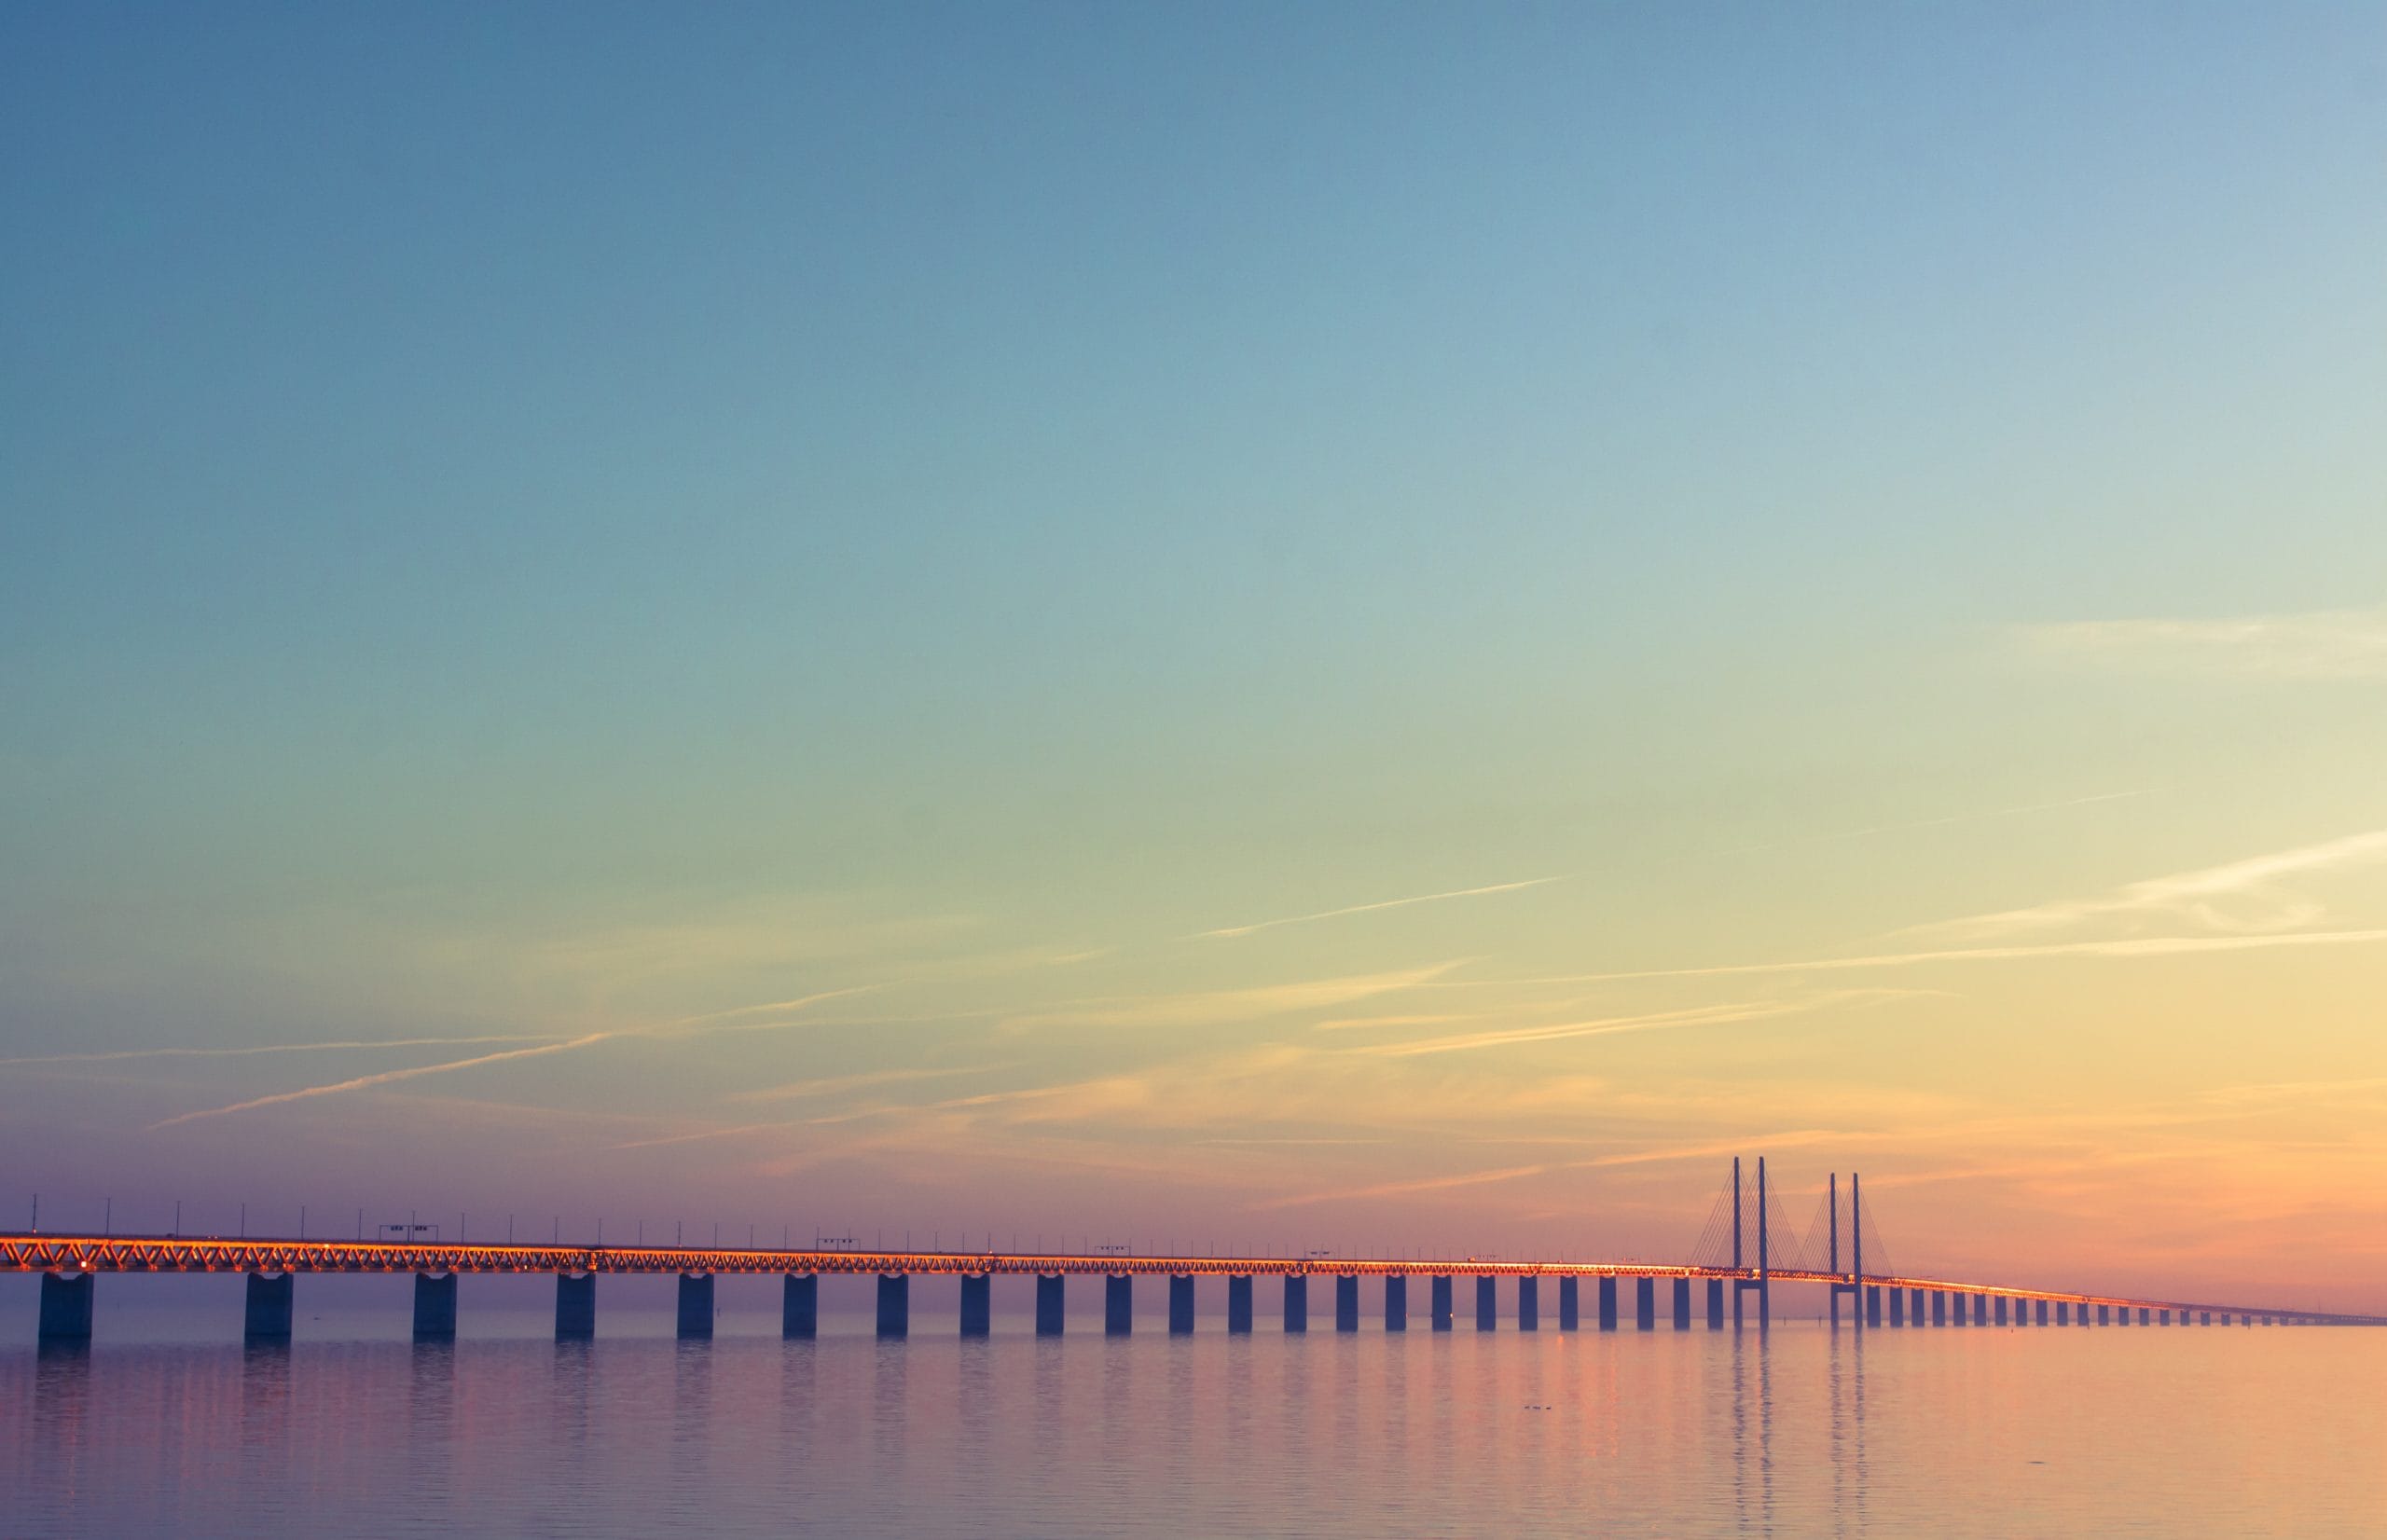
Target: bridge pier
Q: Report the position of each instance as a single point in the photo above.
(800, 1306)
(267, 1315)
(1181, 1304)
(1682, 1304)
(2142, 1315)
(1645, 1304)
(1939, 1307)
(2000, 1310)
(1872, 1304)
(1607, 1302)
(1914, 1306)
(696, 1307)
(896, 1305)
(2104, 1315)
(1487, 1304)
(2063, 1313)
(1238, 1304)
(1570, 1313)
(2204, 1317)
(435, 1307)
(66, 1300)
(1050, 1299)
(1981, 1310)
(1715, 1304)
(1296, 1302)
(1346, 1301)
(2041, 1312)
(1438, 1311)
(1396, 1302)
(978, 1304)
(2124, 1313)
(575, 1306)
(1897, 1309)
(1119, 1304)
(1528, 1303)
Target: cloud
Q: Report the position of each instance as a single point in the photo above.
(1604, 1026)
(2145, 946)
(114, 1055)
(838, 1085)
(2198, 898)
(2327, 645)
(386, 1077)
(1370, 908)
(1396, 1189)
(1229, 1004)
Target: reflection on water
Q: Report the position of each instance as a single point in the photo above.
(1798, 1432)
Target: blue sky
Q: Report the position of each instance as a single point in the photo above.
(563, 521)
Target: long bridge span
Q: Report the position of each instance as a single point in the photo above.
(70, 1265)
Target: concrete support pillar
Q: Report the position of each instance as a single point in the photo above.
(2204, 1317)
(66, 1306)
(2123, 1317)
(1682, 1304)
(2142, 1315)
(1528, 1303)
(435, 1307)
(1346, 1301)
(1914, 1306)
(1440, 1308)
(266, 1318)
(575, 1306)
(1645, 1304)
(1608, 1303)
(2163, 1317)
(1939, 1307)
(696, 1307)
(1715, 1304)
(1049, 1300)
(1999, 1312)
(1981, 1310)
(2040, 1310)
(1897, 1309)
(1296, 1302)
(1239, 1304)
(978, 1304)
(1119, 1304)
(1181, 1304)
(896, 1305)
(1487, 1304)
(1570, 1302)
(1396, 1302)
(800, 1306)
(1872, 1304)
(2105, 1314)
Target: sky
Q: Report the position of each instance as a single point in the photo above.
(1383, 628)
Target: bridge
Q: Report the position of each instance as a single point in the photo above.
(1724, 1263)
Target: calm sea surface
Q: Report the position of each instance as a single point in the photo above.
(168, 1425)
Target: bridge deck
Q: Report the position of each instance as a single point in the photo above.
(60, 1252)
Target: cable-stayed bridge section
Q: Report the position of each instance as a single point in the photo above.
(1736, 1260)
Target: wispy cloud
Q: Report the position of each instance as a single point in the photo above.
(118, 1054)
(1604, 1026)
(2143, 946)
(1397, 1189)
(835, 1085)
(1205, 1008)
(387, 1076)
(2328, 644)
(2240, 896)
(1370, 908)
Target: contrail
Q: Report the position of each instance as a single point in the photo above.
(2150, 946)
(387, 1076)
(1383, 903)
(111, 1055)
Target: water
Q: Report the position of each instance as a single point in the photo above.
(1799, 1432)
